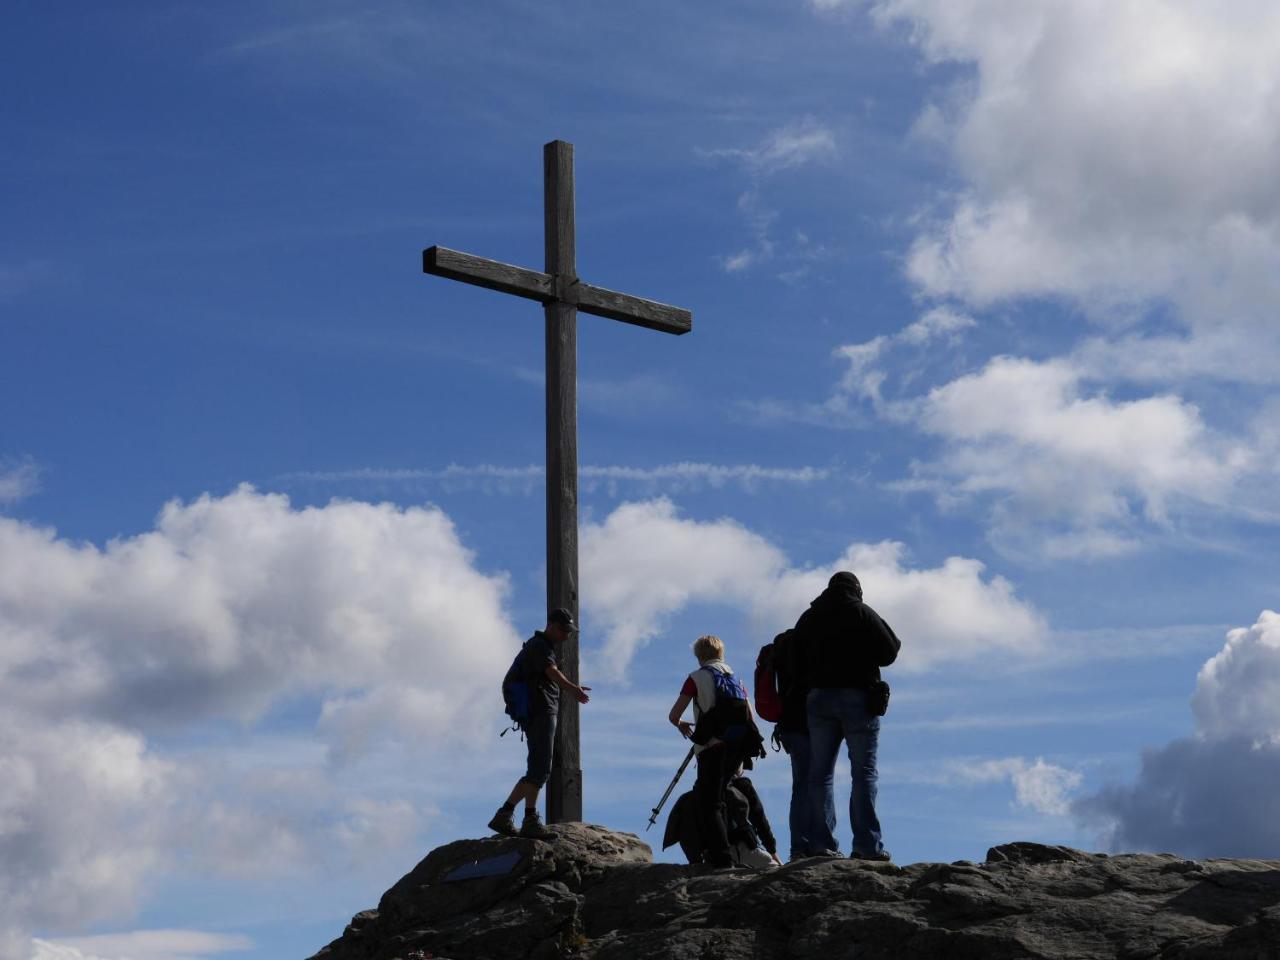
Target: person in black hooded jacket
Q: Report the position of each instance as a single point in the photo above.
(843, 644)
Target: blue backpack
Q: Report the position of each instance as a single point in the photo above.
(516, 691)
(730, 718)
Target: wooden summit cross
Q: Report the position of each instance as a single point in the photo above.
(562, 294)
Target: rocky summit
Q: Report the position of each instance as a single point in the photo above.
(594, 894)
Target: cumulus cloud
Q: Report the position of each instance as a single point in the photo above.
(1117, 154)
(1211, 794)
(230, 606)
(232, 601)
(1238, 689)
(644, 562)
(80, 804)
(1046, 450)
(1063, 467)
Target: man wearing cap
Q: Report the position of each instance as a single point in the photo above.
(545, 683)
(844, 643)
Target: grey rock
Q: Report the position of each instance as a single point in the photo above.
(593, 894)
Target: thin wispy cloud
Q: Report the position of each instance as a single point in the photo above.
(612, 479)
(19, 479)
(858, 399)
(1043, 787)
(804, 142)
(793, 145)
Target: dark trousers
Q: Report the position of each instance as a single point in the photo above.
(716, 767)
(540, 738)
(803, 833)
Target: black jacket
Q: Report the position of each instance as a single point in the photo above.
(793, 688)
(844, 642)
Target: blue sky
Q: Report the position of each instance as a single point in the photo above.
(984, 309)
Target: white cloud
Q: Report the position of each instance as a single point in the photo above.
(1115, 153)
(1238, 689)
(644, 562)
(141, 945)
(1040, 786)
(80, 807)
(19, 479)
(1030, 435)
(1211, 794)
(233, 601)
(1065, 468)
(230, 606)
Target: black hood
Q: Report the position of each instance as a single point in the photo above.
(842, 588)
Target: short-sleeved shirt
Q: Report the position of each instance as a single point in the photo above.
(540, 653)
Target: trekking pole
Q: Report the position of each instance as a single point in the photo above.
(679, 773)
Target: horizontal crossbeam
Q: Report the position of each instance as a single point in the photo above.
(533, 285)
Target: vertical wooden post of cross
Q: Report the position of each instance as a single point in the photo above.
(564, 791)
(562, 295)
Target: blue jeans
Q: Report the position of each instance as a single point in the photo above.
(796, 743)
(540, 738)
(835, 715)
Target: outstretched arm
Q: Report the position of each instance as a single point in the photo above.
(579, 693)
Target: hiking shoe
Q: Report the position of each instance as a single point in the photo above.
(503, 823)
(532, 826)
(881, 857)
(824, 853)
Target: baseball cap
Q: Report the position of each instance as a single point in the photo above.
(561, 617)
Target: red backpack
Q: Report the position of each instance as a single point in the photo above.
(768, 700)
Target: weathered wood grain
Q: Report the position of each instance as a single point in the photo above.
(492, 274)
(533, 285)
(629, 309)
(564, 791)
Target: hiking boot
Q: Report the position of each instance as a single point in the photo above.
(503, 823)
(881, 857)
(532, 826)
(824, 853)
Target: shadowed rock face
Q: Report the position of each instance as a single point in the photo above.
(596, 895)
